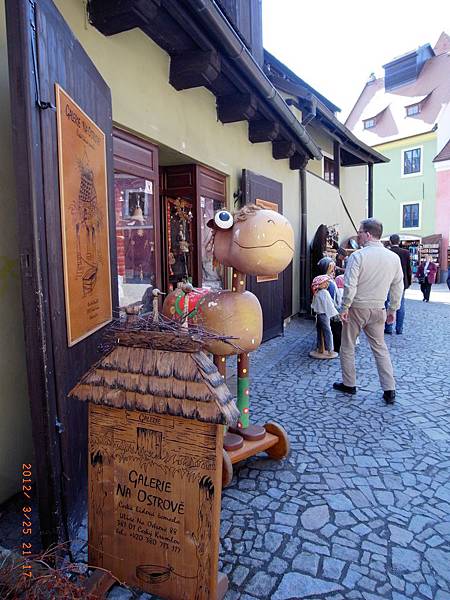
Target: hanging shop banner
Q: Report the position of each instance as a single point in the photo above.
(84, 220)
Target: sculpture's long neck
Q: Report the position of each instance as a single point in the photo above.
(238, 281)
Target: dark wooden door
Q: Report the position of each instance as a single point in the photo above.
(269, 293)
(42, 52)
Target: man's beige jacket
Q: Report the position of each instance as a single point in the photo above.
(372, 273)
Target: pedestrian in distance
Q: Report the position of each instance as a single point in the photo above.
(426, 276)
(372, 272)
(323, 305)
(405, 260)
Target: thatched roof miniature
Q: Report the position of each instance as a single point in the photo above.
(136, 376)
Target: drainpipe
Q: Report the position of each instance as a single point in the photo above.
(304, 258)
(370, 192)
(236, 50)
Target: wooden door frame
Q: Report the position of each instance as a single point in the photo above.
(27, 154)
(248, 181)
(52, 366)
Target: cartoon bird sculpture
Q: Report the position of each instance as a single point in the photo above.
(253, 241)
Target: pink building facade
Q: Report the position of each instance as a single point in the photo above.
(442, 166)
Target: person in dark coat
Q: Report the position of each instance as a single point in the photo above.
(426, 276)
(405, 260)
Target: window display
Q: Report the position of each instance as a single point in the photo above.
(135, 236)
(179, 227)
(212, 271)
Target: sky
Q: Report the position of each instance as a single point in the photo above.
(335, 45)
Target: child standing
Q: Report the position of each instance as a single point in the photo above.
(324, 307)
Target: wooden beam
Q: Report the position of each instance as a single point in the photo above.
(114, 16)
(194, 69)
(283, 149)
(298, 161)
(263, 130)
(236, 107)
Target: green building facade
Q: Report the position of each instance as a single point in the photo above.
(405, 188)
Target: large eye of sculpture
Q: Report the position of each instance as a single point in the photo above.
(223, 219)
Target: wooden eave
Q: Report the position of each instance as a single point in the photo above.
(198, 60)
(353, 151)
(312, 104)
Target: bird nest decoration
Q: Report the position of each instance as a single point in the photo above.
(154, 364)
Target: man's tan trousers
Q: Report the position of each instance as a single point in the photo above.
(371, 321)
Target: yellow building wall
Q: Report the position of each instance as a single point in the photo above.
(15, 425)
(354, 192)
(325, 205)
(137, 71)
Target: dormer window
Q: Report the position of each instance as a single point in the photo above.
(369, 123)
(412, 110)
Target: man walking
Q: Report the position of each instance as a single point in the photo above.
(371, 273)
(403, 255)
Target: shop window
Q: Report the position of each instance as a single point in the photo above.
(410, 216)
(137, 217)
(135, 235)
(328, 170)
(212, 271)
(412, 161)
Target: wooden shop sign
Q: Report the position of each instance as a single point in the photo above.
(154, 500)
(84, 220)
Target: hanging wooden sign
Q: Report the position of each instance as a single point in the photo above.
(84, 220)
(154, 501)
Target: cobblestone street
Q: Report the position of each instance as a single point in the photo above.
(361, 508)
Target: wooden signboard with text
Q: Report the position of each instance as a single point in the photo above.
(84, 220)
(154, 501)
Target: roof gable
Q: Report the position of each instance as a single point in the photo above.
(431, 89)
(443, 44)
(444, 154)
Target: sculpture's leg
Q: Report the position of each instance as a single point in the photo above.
(243, 390)
(248, 432)
(231, 441)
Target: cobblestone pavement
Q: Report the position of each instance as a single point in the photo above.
(361, 507)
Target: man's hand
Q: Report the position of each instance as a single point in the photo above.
(344, 315)
(390, 318)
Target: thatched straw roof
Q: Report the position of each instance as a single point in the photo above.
(182, 384)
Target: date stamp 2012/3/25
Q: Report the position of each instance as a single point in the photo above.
(27, 519)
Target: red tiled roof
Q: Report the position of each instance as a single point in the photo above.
(443, 44)
(444, 154)
(431, 90)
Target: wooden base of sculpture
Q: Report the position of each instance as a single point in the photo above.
(275, 443)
